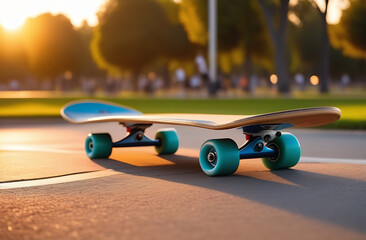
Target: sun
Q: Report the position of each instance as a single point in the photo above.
(12, 16)
(13, 13)
(12, 24)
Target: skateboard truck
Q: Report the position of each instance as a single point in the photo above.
(255, 146)
(267, 135)
(136, 137)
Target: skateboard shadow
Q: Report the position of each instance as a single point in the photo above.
(330, 199)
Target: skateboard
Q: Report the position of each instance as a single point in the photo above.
(263, 133)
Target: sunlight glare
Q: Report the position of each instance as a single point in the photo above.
(14, 13)
(273, 78)
(335, 8)
(314, 80)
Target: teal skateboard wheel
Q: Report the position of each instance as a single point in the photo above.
(169, 142)
(219, 157)
(98, 145)
(288, 149)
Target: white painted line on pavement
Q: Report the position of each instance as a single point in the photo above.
(331, 160)
(56, 180)
(30, 148)
(42, 148)
(105, 173)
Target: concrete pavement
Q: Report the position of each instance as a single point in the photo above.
(138, 195)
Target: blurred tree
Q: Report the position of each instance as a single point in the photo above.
(240, 27)
(350, 33)
(277, 26)
(89, 67)
(193, 15)
(324, 70)
(132, 34)
(12, 57)
(177, 46)
(254, 36)
(97, 55)
(304, 38)
(341, 64)
(52, 45)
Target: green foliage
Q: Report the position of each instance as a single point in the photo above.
(237, 21)
(52, 45)
(350, 33)
(305, 38)
(171, 9)
(240, 27)
(133, 34)
(305, 43)
(193, 15)
(97, 55)
(255, 34)
(89, 67)
(177, 45)
(341, 64)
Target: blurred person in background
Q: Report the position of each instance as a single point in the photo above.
(142, 83)
(300, 81)
(345, 81)
(89, 86)
(180, 75)
(253, 83)
(244, 83)
(14, 85)
(151, 83)
(202, 68)
(195, 82)
(111, 86)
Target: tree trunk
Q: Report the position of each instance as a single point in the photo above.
(278, 36)
(281, 65)
(324, 71)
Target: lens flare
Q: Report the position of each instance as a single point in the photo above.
(314, 80)
(273, 78)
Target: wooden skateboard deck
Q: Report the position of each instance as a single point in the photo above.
(100, 111)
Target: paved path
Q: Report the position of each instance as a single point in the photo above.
(138, 195)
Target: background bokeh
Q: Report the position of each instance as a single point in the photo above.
(311, 52)
(139, 45)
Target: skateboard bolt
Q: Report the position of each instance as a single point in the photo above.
(91, 145)
(278, 134)
(211, 157)
(258, 147)
(139, 137)
(266, 138)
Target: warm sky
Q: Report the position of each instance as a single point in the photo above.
(14, 12)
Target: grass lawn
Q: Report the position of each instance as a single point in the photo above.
(353, 110)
